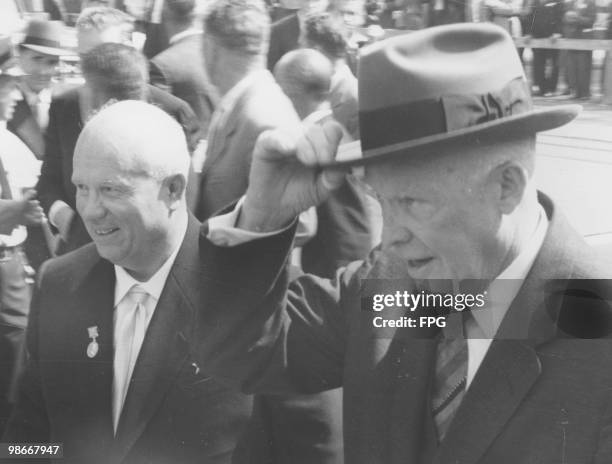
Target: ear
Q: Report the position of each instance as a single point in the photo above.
(510, 180)
(174, 187)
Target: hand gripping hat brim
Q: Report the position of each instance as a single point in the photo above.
(446, 85)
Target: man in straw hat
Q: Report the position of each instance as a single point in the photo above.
(448, 140)
(39, 54)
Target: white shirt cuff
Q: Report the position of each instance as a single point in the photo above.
(222, 230)
(54, 210)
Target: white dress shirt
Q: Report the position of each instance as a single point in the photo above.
(154, 287)
(39, 103)
(482, 327)
(22, 171)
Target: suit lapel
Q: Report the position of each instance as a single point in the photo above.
(220, 132)
(227, 122)
(164, 350)
(409, 413)
(24, 125)
(93, 382)
(510, 369)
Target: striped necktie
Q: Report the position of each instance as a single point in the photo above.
(449, 381)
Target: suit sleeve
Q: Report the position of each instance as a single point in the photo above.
(270, 335)
(29, 421)
(50, 182)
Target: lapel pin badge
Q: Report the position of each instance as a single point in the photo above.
(196, 368)
(93, 347)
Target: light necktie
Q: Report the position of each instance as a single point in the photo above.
(130, 332)
(4, 183)
(449, 380)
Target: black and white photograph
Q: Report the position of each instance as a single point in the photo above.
(306, 231)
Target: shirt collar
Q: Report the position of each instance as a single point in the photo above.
(506, 286)
(154, 286)
(181, 35)
(32, 97)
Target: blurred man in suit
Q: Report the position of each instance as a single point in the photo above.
(179, 69)
(328, 34)
(343, 224)
(545, 19)
(234, 46)
(285, 31)
(39, 54)
(71, 109)
(525, 378)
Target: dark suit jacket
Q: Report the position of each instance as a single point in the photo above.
(174, 411)
(24, 125)
(225, 173)
(179, 70)
(64, 128)
(540, 395)
(284, 37)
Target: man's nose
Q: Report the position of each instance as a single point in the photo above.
(91, 207)
(394, 234)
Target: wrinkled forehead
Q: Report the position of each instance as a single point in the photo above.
(422, 174)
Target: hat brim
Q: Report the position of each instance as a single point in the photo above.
(350, 154)
(48, 50)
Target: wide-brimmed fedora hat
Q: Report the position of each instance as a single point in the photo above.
(45, 37)
(446, 85)
(8, 62)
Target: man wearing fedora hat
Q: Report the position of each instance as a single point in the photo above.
(39, 54)
(448, 144)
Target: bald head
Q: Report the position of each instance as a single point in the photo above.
(130, 168)
(140, 135)
(305, 76)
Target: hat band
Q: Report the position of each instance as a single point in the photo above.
(422, 118)
(29, 40)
